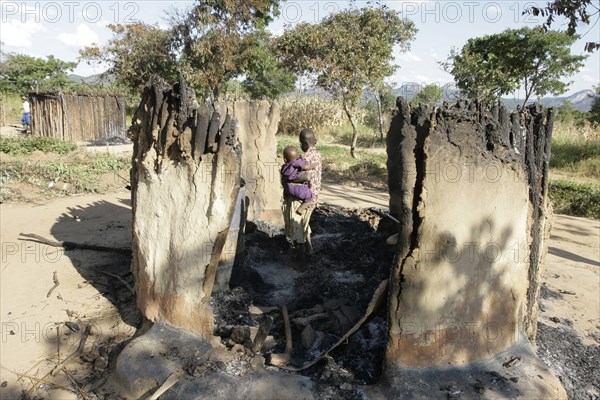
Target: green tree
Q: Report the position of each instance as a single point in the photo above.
(575, 11)
(20, 73)
(265, 77)
(594, 113)
(215, 39)
(347, 52)
(383, 100)
(135, 53)
(495, 65)
(430, 94)
(567, 114)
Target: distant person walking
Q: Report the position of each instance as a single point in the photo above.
(26, 117)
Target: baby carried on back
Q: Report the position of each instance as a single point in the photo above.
(295, 176)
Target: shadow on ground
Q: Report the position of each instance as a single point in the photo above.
(107, 224)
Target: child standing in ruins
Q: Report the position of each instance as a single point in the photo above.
(297, 224)
(295, 178)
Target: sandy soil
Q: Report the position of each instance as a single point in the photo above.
(30, 314)
(86, 295)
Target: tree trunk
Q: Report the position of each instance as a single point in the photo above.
(354, 130)
(185, 181)
(527, 96)
(528, 92)
(379, 114)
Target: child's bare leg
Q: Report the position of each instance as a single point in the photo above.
(308, 247)
(304, 206)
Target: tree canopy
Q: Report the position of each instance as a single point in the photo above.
(495, 65)
(219, 40)
(430, 94)
(20, 73)
(211, 43)
(575, 11)
(347, 52)
(136, 52)
(265, 77)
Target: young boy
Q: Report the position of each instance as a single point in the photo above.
(26, 117)
(293, 175)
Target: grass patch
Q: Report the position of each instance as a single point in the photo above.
(580, 200)
(576, 157)
(576, 152)
(27, 145)
(82, 174)
(367, 136)
(12, 104)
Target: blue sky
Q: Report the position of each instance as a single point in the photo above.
(61, 28)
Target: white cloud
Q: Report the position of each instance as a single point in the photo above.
(25, 12)
(409, 56)
(17, 34)
(423, 78)
(589, 78)
(433, 53)
(276, 32)
(83, 37)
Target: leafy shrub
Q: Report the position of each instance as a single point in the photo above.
(580, 200)
(576, 151)
(80, 174)
(299, 112)
(26, 146)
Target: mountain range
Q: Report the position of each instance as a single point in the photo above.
(92, 79)
(581, 100)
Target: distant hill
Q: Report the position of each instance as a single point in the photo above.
(581, 100)
(92, 79)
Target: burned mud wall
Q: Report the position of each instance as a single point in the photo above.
(257, 123)
(78, 117)
(469, 186)
(185, 181)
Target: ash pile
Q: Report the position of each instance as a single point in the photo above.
(324, 296)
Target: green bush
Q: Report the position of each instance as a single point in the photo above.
(26, 146)
(82, 174)
(580, 200)
(315, 112)
(576, 157)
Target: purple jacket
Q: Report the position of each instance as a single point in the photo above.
(290, 172)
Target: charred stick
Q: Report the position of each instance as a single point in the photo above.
(77, 352)
(56, 283)
(30, 237)
(123, 281)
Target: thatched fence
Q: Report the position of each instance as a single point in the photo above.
(78, 117)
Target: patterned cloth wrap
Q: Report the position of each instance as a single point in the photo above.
(297, 228)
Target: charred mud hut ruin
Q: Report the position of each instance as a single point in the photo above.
(449, 310)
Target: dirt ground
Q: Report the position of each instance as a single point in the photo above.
(92, 291)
